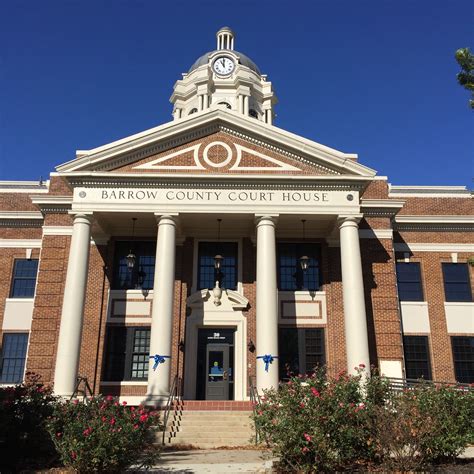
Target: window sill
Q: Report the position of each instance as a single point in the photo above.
(125, 383)
(17, 299)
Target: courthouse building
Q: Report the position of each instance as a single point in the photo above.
(222, 250)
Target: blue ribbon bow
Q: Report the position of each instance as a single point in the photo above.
(267, 360)
(159, 359)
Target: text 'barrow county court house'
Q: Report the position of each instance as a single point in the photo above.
(224, 251)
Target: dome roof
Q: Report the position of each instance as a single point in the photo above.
(244, 60)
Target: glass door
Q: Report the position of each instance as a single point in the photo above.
(219, 373)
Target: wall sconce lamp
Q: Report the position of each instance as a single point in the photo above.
(181, 346)
(251, 346)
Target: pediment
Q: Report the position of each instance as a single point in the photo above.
(216, 142)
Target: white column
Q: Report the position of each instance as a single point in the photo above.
(355, 321)
(240, 99)
(205, 99)
(246, 105)
(70, 331)
(269, 117)
(267, 304)
(162, 313)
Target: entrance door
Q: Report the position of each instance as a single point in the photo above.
(218, 371)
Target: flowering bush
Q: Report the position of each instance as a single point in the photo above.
(321, 423)
(103, 435)
(24, 442)
(317, 421)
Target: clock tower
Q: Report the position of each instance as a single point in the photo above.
(224, 78)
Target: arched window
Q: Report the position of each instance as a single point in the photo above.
(193, 111)
(253, 113)
(226, 104)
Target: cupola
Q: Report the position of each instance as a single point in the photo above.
(224, 78)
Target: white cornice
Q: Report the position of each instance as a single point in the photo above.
(172, 131)
(20, 243)
(380, 207)
(434, 220)
(429, 191)
(18, 215)
(56, 204)
(433, 247)
(24, 186)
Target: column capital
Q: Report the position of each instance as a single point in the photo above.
(349, 220)
(266, 219)
(83, 217)
(166, 218)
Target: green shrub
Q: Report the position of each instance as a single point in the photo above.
(322, 423)
(318, 421)
(103, 435)
(24, 441)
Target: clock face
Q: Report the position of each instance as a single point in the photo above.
(223, 66)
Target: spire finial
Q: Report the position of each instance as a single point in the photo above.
(225, 38)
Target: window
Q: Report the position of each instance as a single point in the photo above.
(127, 353)
(193, 111)
(13, 357)
(417, 357)
(290, 275)
(207, 274)
(143, 273)
(300, 350)
(228, 106)
(253, 113)
(463, 356)
(24, 278)
(409, 282)
(457, 286)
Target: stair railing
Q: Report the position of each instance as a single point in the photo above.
(399, 384)
(255, 399)
(175, 395)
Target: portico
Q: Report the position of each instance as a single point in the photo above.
(329, 215)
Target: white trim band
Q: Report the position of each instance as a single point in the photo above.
(20, 243)
(57, 230)
(417, 247)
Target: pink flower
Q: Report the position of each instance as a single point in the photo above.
(361, 366)
(315, 392)
(109, 398)
(73, 455)
(341, 405)
(135, 427)
(58, 435)
(132, 408)
(116, 404)
(87, 431)
(112, 421)
(143, 418)
(307, 437)
(304, 450)
(302, 405)
(124, 403)
(104, 418)
(260, 412)
(75, 401)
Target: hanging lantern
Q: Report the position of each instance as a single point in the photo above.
(304, 262)
(218, 259)
(131, 258)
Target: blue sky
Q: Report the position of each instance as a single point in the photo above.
(379, 76)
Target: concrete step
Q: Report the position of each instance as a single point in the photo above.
(210, 442)
(221, 425)
(198, 430)
(208, 413)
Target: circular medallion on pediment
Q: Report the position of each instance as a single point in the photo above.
(217, 154)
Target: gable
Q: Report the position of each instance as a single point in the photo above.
(223, 153)
(217, 141)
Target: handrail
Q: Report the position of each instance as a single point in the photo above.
(255, 399)
(398, 384)
(175, 394)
